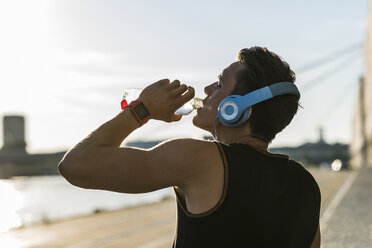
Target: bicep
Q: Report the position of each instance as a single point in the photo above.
(132, 170)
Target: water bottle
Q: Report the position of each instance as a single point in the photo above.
(188, 107)
(132, 94)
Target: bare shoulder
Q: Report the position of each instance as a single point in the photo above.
(196, 158)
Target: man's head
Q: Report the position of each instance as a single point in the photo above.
(256, 68)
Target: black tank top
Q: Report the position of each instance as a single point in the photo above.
(268, 200)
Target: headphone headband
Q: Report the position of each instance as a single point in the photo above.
(265, 93)
(284, 88)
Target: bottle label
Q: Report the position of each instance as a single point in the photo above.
(124, 104)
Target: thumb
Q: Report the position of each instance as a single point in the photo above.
(176, 117)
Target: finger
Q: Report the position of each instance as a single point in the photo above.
(164, 81)
(174, 84)
(190, 94)
(180, 90)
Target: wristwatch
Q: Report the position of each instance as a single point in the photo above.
(139, 111)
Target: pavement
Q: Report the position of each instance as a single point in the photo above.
(350, 221)
(146, 226)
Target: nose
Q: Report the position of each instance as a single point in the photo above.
(209, 89)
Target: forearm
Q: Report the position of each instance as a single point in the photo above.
(114, 131)
(110, 134)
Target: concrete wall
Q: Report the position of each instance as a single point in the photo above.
(361, 145)
(368, 88)
(358, 143)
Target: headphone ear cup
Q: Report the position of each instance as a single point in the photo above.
(229, 110)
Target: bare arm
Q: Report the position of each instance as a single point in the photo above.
(98, 162)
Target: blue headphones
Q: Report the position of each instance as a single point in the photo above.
(235, 110)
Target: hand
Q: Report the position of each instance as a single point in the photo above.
(163, 98)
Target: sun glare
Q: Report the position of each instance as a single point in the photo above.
(25, 51)
(11, 202)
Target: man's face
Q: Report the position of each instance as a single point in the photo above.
(216, 92)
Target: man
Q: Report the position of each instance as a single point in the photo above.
(230, 192)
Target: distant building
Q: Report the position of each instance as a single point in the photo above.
(14, 159)
(318, 153)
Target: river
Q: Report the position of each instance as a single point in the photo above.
(30, 200)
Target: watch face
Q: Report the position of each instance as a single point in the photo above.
(141, 111)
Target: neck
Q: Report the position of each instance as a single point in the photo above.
(243, 135)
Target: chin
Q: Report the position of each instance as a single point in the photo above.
(195, 121)
(199, 123)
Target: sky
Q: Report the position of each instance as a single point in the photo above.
(64, 64)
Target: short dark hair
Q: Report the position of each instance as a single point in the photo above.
(263, 68)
